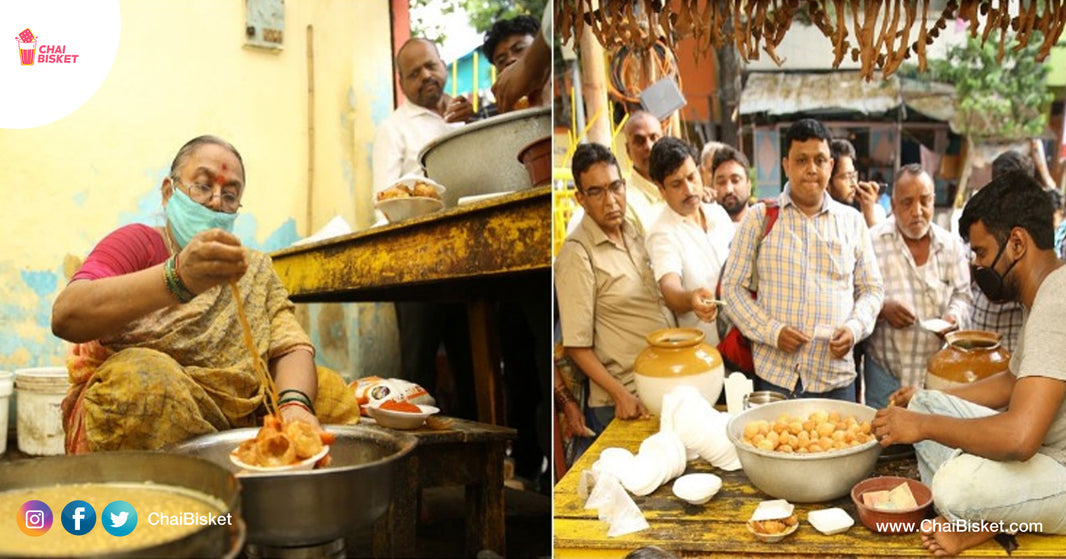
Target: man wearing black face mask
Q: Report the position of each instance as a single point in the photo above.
(1017, 457)
(1004, 318)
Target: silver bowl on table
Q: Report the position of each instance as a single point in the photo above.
(318, 506)
(482, 157)
(804, 478)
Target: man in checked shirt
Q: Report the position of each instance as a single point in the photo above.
(819, 287)
(926, 276)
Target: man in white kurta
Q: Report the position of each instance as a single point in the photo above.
(689, 241)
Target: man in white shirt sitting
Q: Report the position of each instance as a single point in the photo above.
(689, 241)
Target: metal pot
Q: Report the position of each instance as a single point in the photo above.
(482, 157)
(804, 478)
(143, 466)
(313, 507)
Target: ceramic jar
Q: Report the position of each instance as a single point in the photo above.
(968, 355)
(677, 356)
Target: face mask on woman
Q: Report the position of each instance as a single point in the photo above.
(187, 218)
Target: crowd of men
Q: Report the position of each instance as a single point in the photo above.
(812, 273)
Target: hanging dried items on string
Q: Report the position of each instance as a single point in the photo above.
(879, 37)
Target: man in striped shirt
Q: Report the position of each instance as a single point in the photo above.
(819, 287)
(926, 276)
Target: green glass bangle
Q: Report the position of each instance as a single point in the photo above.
(174, 283)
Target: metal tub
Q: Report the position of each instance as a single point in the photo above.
(482, 157)
(313, 507)
(166, 469)
(804, 478)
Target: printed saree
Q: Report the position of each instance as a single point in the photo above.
(184, 370)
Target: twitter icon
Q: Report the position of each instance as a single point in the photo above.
(119, 518)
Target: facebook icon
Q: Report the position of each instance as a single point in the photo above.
(78, 517)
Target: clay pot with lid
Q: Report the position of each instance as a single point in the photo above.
(968, 356)
(677, 356)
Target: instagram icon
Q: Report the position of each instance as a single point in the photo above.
(34, 518)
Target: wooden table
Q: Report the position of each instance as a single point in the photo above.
(718, 527)
(472, 253)
(469, 454)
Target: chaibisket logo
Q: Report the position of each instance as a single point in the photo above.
(27, 46)
(65, 52)
(48, 53)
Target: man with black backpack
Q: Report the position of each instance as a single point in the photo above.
(818, 285)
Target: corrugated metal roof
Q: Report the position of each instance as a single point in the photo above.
(782, 94)
(934, 100)
(778, 94)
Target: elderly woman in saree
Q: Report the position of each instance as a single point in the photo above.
(159, 354)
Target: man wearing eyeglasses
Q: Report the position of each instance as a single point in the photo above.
(644, 203)
(846, 188)
(608, 299)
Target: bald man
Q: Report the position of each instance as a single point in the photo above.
(642, 130)
(397, 143)
(400, 137)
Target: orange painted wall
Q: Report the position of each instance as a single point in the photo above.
(699, 82)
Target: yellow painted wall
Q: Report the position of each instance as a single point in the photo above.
(182, 70)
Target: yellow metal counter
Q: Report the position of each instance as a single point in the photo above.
(718, 528)
(472, 253)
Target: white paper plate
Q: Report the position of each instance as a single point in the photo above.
(830, 521)
(935, 325)
(697, 489)
(303, 465)
(399, 209)
(772, 510)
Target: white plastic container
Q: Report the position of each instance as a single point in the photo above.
(6, 386)
(40, 417)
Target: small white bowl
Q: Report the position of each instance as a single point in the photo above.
(399, 209)
(697, 489)
(303, 465)
(401, 419)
